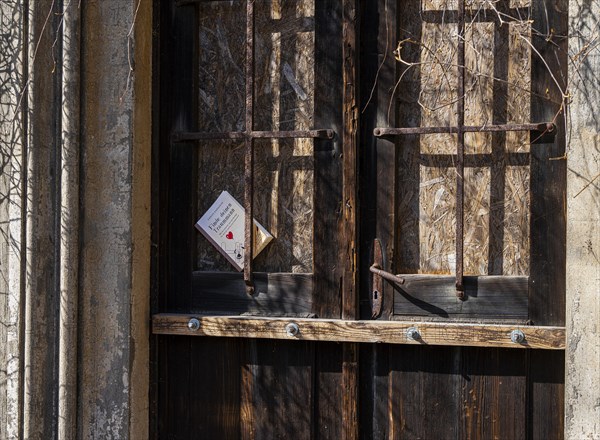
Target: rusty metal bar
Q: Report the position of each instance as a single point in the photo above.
(249, 157)
(191, 2)
(460, 156)
(543, 128)
(316, 134)
(294, 134)
(386, 275)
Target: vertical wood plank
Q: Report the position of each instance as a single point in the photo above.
(178, 162)
(409, 114)
(349, 160)
(377, 158)
(173, 170)
(214, 383)
(546, 395)
(327, 157)
(350, 208)
(377, 164)
(350, 392)
(424, 389)
(328, 392)
(173, 387)
(375, 399)
(493, 394)
(249, 367)
(281, 391)
(548, 165)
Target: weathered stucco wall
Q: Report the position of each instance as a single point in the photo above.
(70, 214)
(11, 184)
(582, 386)
(106, 137)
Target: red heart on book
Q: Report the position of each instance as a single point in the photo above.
(229, 235)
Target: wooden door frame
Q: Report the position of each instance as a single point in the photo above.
(142, 38)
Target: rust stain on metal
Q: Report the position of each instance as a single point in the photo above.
(249, 156)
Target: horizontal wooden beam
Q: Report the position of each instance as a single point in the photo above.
(389, 332)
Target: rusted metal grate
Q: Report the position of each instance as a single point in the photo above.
(249, 135)
(542, 129)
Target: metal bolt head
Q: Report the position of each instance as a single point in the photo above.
(517, 336)
(193, 324)
(292, 329)
(413, 334)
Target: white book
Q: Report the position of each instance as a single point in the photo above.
(224, 224)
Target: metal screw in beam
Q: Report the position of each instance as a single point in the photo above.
(517, 336)
(292, 329)
(413, 334)
(193, 324)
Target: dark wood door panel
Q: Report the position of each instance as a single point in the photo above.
(223, 388)
(276, 294)
(238, 388)
(485, 297)
(460, 393)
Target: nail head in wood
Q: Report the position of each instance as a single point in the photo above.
(517, 336)
(193, 324)
(292, 329)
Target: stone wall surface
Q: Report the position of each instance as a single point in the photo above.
(582, 387)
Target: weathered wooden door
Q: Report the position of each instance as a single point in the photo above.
(406, 157)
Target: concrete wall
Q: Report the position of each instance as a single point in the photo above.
(11, 187)
(73, 218)
(582, 387)
(75, 133)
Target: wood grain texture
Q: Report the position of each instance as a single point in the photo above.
(486, 297)
(275, 294)
(281, 390)
(214, 388)
(327, 419)
(249, 367)
(350, 161)
(423, 391)
(374, 410)
(350, 207)
(391, 332)
(173, 388)
(350, 425)
(546, 387)
(494, 394)
(378, 156)
(327, 160)
(548, 165)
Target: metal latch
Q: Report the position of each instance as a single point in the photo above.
(378, 276)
